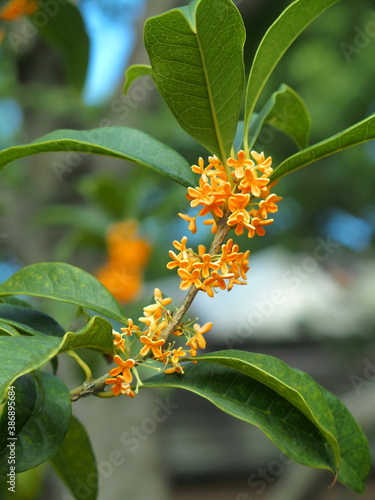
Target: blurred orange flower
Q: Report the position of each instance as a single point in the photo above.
(18, 8)
(128, 255)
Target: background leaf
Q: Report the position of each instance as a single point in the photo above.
(134, 72)
(196, 54)
(285, 110)
(358, 133)
(66, 30)
(117, 142)
(65, 283)
(75, 461)
(42, 420)
(278, 38)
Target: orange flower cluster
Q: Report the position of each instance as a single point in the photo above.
(203, 270)
(17, 8)
(239, 192)
(127, 257)
(156, 318)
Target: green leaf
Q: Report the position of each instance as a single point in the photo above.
(285, 110)
(66, 30)
(22, 355)
(356, 460)
(117, 142)
(42, 413)
(247, 399)
(274, 373)
(96, 334)
(65, 283)
(7, 329)
(134, 72)
(196, 54)
(357, 134)
(278, 38)
(75, 462)
(30, 321)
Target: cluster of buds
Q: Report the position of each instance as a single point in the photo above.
(152, 346)
(240, 194)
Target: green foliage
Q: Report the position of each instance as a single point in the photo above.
(280, 35)
(196, 55)
(134, 72)
(75, 461)
(357, 134)
(287, 111)
(43, 411)
(66, 283)
(117, 142)
(298, 415)
(66, 30)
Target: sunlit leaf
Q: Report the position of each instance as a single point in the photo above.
(196, 54)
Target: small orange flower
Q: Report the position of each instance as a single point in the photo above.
(120, 386)
(152, 345)
(252, 183)
(130, 328)
(239, 164)
(198, 341)
(124, 368)
(119, 341)
(206, 265)
(189, 279)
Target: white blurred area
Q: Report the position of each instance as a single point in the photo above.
(322, 294)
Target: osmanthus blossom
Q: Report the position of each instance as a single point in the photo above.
(237, 195)
(15, 9)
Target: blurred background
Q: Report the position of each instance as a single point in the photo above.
(62, 66)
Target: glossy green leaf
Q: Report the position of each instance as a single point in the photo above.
(357, 134)
(42, 411)
(75, 462)
(248, 399)
(30, 321)
(286, 111)
(196, 54)
(278, 38)
(134, 72)
(65, 283)
(117, 142)
(64, 28)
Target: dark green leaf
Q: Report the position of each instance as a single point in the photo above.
(30, 321)
(65, 29)
(357, 134)
(42, 420)
(286, 111)
(65, 283)
(117, 142)
(196, 54)
(21, 355)
(75, 462)
(249, 400)
(134, 72)
(274, 44)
